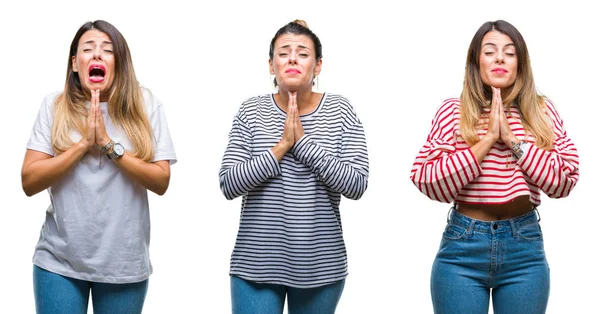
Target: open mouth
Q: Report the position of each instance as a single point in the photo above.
(96, 73)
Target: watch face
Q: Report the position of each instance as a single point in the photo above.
(119, 150)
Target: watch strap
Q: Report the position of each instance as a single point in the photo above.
(113, 154)
(108, 146)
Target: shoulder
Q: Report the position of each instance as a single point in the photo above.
(51, 98)
(250, 106)
(341, 104)
(151, 102)
(449, 109)
(551, 109)
(337, 100)
(255, 101)
(450, 104)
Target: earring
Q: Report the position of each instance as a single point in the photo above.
(317, 79)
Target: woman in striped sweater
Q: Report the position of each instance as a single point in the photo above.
(492, 152)
(291, 155)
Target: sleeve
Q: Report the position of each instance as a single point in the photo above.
(41, 134)
(556, 171)
(347, 173)
(240, 171)
(163, 145)
(441, 170)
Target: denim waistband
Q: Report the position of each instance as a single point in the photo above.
(496, 226)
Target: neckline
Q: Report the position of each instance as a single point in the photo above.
(317, 109)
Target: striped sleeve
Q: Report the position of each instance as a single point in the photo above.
(347, 174)
(240, 171)
(556, 171)
(440, 171)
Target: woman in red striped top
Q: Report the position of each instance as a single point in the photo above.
(492, 152)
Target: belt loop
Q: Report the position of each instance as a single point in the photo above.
(538, 214)
(471, 227)
(449, 212)
(513, 227)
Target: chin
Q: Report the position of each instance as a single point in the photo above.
(292, 88)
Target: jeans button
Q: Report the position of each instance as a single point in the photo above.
(495, 226)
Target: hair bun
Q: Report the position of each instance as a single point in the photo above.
(301, 22)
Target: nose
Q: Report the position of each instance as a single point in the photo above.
(98, 53)
(292, 59)
(500, 57)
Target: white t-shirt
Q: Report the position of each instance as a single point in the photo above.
(97, 226)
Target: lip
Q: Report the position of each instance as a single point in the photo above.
(292, 71)
(499, 70)
(95, 78)
(96, 66)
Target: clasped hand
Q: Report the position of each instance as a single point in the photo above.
(95, 130)
(292, 129)
(498, 126)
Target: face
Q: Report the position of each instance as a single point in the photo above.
(95, 62)
(498, 60)
(294, 63)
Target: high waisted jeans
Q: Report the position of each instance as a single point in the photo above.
(59, 294)
(506, 257)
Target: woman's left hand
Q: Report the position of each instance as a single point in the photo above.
(102, 138)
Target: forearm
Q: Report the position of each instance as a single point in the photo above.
(481, 149)
(237, 177)
(40, 171)
(441, 178)
(556, 173)
(280, 149)
(154, 176)
(347, 174)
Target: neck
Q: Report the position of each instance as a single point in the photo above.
(303, 98)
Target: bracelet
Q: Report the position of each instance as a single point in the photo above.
(516, 149)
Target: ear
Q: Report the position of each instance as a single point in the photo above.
(318, 67)
(74, 64)
(271, 70)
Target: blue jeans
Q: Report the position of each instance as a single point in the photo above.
(249, 297)
(506, 257)
(59, 294)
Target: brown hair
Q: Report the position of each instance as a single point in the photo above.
(475, 95)
(298, 27)
(125, 104)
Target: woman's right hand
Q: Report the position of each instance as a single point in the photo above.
(89, 135)
(482, 147)
(493, 131)
(289, 127)
(288, 139)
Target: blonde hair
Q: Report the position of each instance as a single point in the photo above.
(475, 96)
(125, 104)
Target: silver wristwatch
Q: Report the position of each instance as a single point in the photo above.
(117, 151)
(113, 150)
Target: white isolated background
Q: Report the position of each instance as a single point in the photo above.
(395, 61)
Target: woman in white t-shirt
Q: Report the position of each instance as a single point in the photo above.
(97, 147)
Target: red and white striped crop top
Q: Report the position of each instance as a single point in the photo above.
(446, 170)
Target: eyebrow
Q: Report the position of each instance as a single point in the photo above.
(492, 44)
(289, 46)
(93, 42)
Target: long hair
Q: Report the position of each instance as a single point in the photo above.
(475, 95)
(125, 102)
